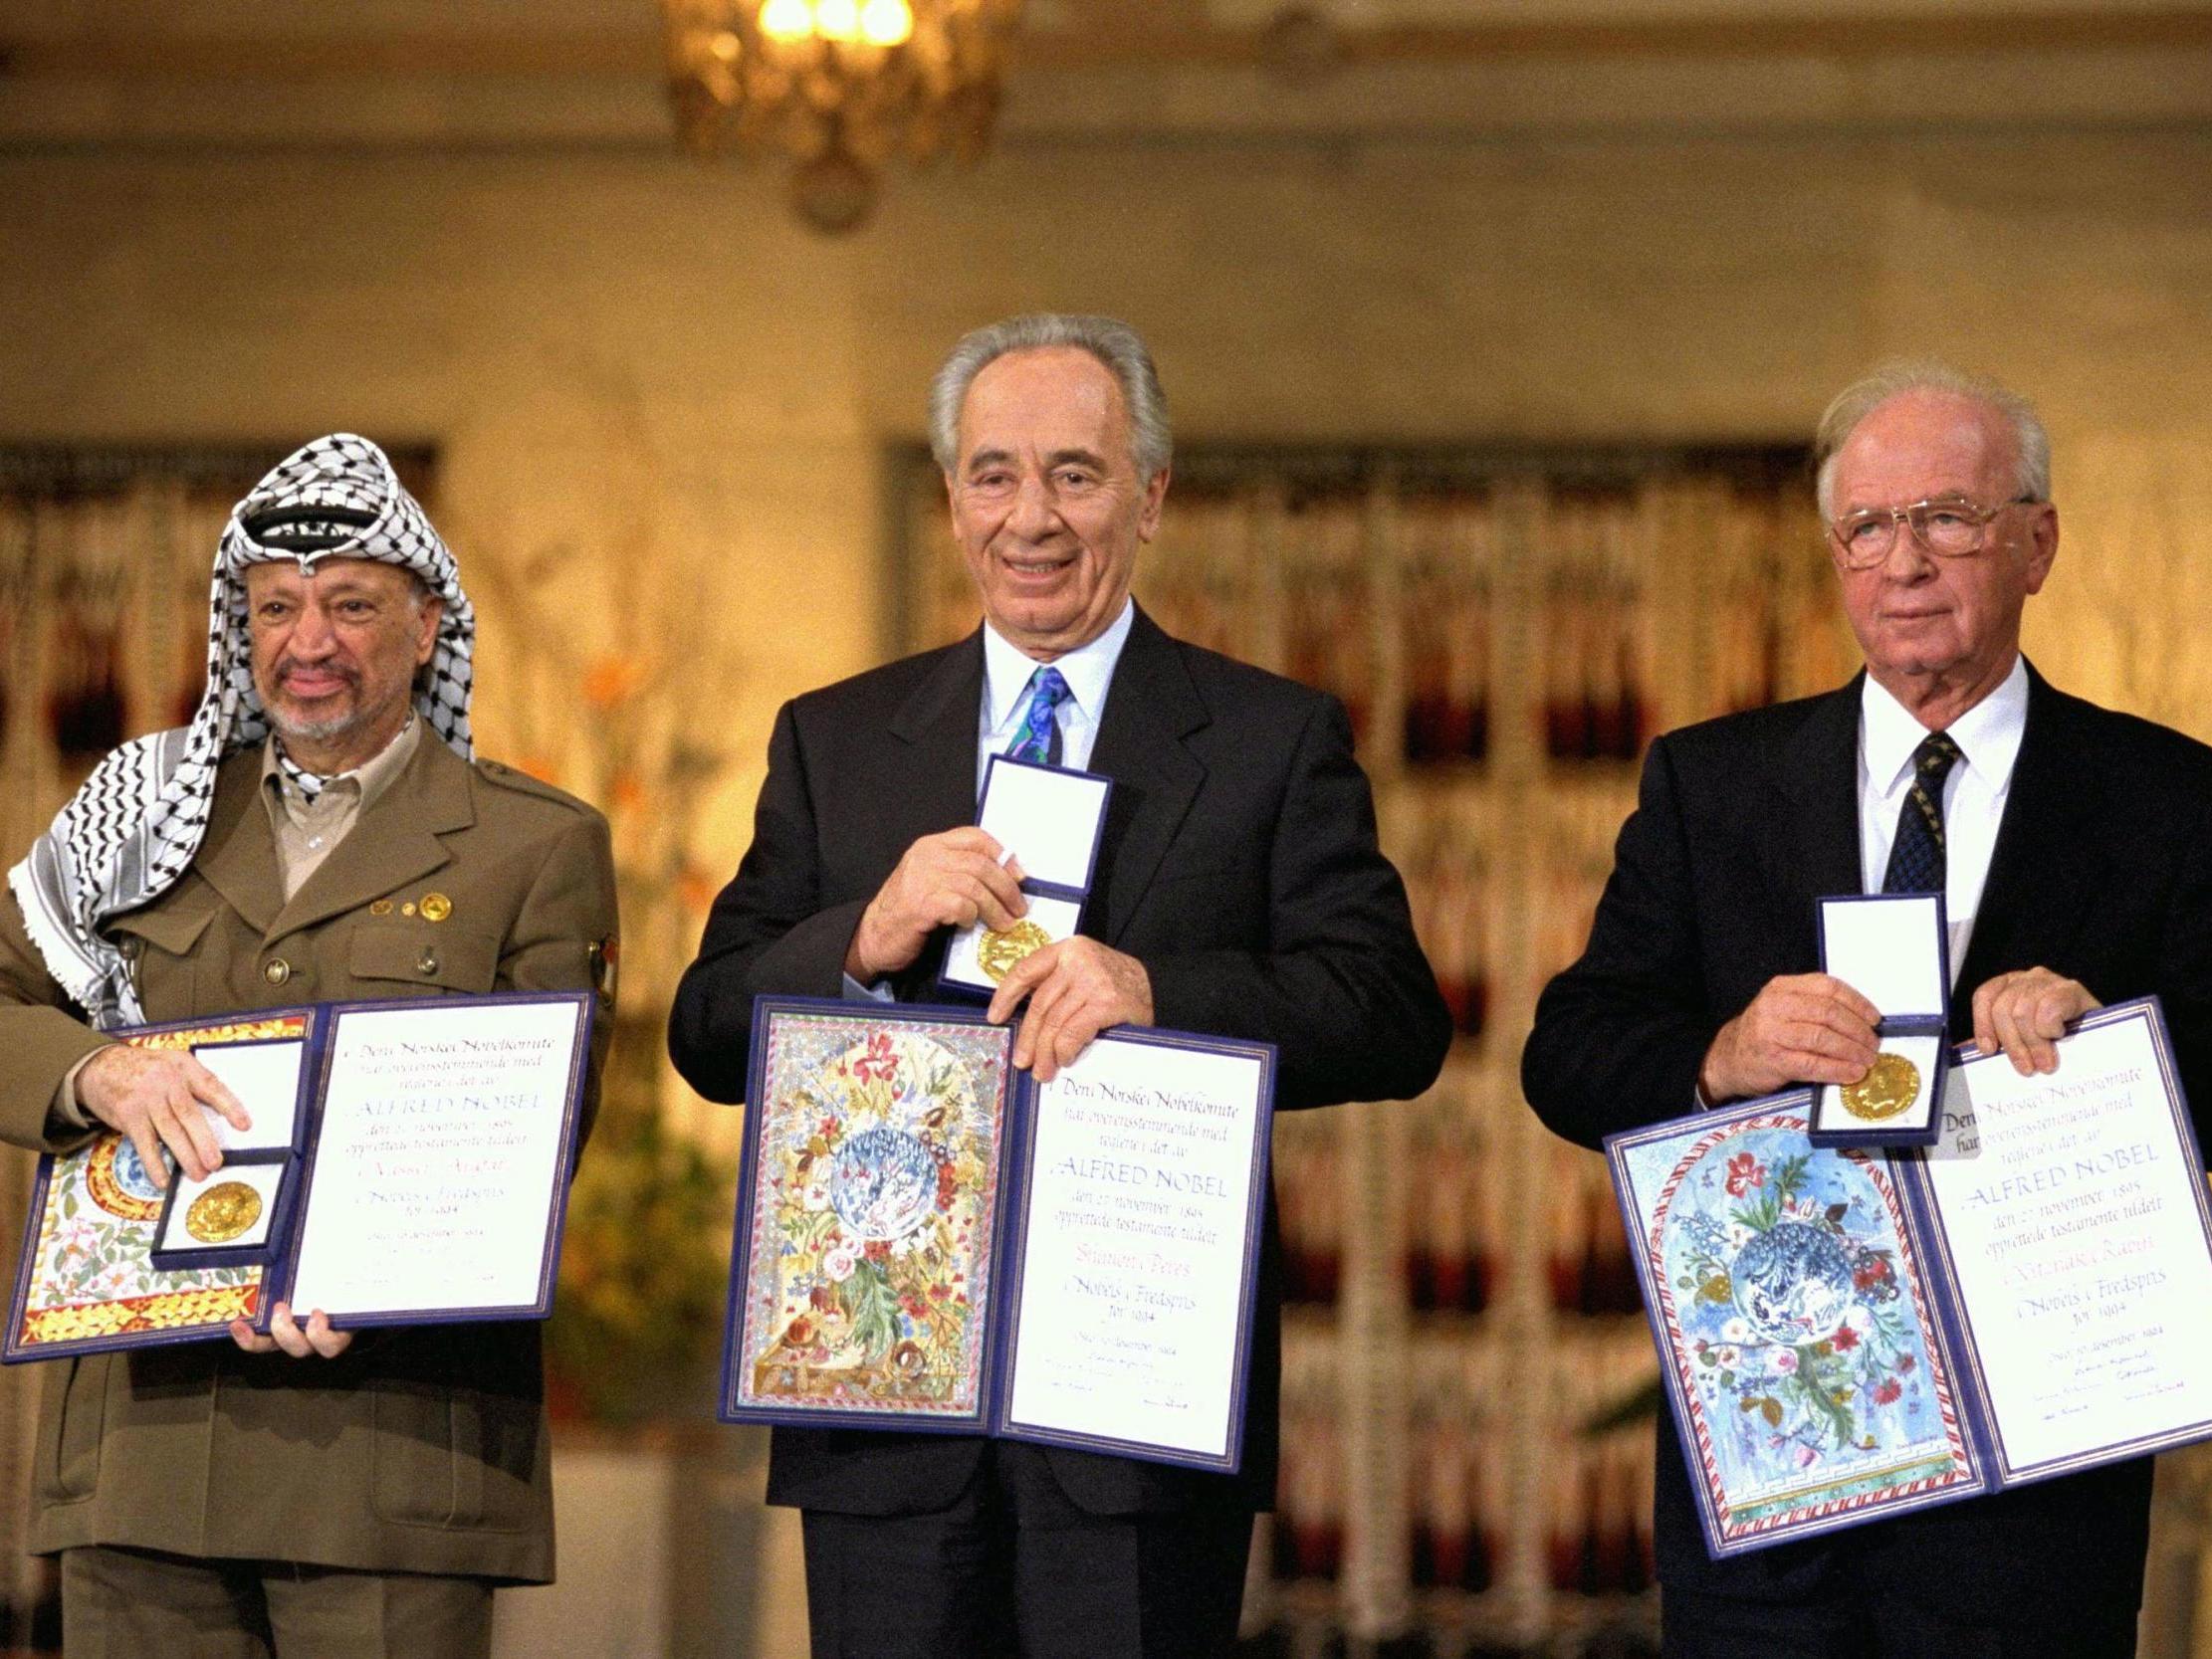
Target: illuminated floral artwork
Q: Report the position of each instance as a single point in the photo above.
(89, 1276)
(874, 1198)
(1801, 1333)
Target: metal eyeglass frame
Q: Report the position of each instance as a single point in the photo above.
(1915, 519)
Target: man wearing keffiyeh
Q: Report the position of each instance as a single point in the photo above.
(320, 831)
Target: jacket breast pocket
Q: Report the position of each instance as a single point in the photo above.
(435, 958)
(160, 944)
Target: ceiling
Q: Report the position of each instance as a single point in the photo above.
(587, 74)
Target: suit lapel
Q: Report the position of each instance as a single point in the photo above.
(929, 776)
(1819, 779)
(2031, 901)
(394, 840)
(1150, 706)
(935, 731)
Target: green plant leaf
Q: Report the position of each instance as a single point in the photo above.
(873, 1311)
(1789, 1178)
(1816, 1395)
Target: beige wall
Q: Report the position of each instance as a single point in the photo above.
(644, 367)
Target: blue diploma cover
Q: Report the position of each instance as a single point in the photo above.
(1850, 1334)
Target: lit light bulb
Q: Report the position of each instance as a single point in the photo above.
(787, 20)
(886, 22)
(837, 20)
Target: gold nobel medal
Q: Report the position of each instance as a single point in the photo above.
(436, 907)
(998, 953)
(1892, 1084)
(221, 1213)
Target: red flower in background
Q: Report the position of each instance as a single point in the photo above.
(1888, 1392)
(1744, 1174)
(1845, 1340)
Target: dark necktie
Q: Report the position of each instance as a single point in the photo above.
(1039, 735)
(1917, 855)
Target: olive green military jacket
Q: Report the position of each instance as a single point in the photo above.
(417, 1450)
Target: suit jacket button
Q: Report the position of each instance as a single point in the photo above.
(277, 972)
(427, 962)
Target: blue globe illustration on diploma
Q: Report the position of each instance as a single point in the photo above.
(884, 1183)
(131, 1172)
(1792, 1284)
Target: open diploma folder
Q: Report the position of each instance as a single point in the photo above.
(1848, 1334)
(929, 1240)
(408, 1163)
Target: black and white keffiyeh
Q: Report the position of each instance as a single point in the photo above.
(134, 826)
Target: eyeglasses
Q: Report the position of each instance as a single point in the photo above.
(1950, 526)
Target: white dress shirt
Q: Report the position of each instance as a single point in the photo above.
(1988, 737)
(1090, 673)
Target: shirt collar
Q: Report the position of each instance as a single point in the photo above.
(1988, 734)
(372, 777)
(1088, 671)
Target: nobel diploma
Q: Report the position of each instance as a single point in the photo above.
(1132, 1300)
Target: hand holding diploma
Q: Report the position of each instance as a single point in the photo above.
(947, 879)
(287, 1335)
(2025, 1013)
(160, 1096)
(1076, 989)
(1800, 1028)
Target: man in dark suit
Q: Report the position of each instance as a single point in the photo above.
(1240, 891)
(2075, 848)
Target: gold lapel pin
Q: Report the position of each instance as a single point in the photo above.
(381, 907)
(436, 907)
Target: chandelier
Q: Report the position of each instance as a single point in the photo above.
(840, 86)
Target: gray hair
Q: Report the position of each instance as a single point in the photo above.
(2031, 444)
(1115, 345)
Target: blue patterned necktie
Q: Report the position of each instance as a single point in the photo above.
(1917, 855)
(1040, 737)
